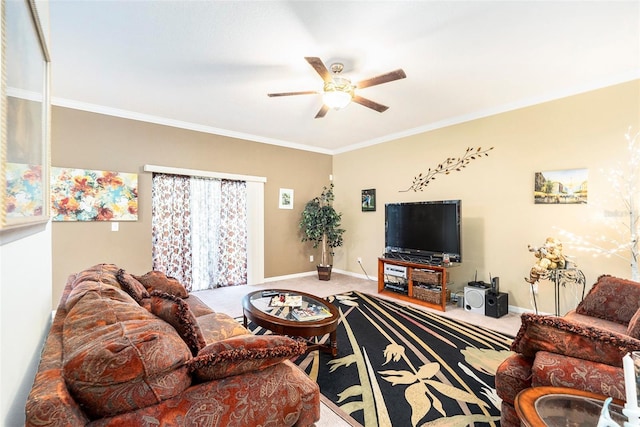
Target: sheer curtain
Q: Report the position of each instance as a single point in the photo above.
(211, 232)
(205, 221)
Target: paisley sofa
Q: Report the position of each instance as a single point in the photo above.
(581, 350)
(139, 350)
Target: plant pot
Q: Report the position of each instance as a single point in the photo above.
(324, 272)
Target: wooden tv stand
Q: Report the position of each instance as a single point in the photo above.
(415, 277)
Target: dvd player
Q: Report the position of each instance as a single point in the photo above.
(395, 270)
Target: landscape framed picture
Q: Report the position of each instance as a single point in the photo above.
(369, 200)
(25, 108)
(568, 186)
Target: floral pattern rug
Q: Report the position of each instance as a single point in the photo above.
(402, 366)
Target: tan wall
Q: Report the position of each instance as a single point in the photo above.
(499, 216)
(93, 141)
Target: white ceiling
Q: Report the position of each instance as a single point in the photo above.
(208, 65)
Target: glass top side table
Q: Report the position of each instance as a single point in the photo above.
(560, 406)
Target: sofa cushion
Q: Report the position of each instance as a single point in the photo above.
(197, 306)
(117, 356)
(104, 273)
(176, 312)
(112, 275)
(556, 370)
(220, 326)
(562, 336)
(157, 280)
(633, 330)
(596, 322)
(242, 354)
(611, 298)
(98, 290)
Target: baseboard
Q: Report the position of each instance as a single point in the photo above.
(289, 276)
(358, 275)
(520, 310)
(314, 272)
(512, 308)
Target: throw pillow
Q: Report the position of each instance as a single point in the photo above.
(612, 299)
(242, 354)
(176, 312)
(561, 336)
(158, 281)
(131, 286)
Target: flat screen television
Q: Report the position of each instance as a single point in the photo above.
(423, 230)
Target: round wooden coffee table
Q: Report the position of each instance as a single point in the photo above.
(561, 406)
(257, 307)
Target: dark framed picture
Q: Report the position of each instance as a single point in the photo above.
(369, 200)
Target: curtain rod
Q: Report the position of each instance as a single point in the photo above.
(203, 174)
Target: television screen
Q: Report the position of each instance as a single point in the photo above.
(424, 230)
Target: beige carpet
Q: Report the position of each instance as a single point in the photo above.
(229, 300)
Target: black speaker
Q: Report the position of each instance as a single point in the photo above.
(496, 305)
(495, 285)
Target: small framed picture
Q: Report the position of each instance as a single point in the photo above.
(285, 201)
(369, 200)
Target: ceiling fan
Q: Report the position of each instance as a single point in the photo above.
(338, 91)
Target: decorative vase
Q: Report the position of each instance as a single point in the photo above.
(324, 272)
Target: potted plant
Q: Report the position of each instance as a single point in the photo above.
(320, 224)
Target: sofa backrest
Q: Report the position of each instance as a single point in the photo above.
(611, 298)
(117, 356)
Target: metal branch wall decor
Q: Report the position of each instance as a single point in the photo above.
(452, 164)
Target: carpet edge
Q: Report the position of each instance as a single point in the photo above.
(339, 412)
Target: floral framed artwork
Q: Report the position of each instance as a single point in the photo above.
(89, 195)
(561, 187)
(25, 111)
(369, 200)
(285, 199)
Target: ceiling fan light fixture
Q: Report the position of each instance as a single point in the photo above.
(336, 99)
(337, 93)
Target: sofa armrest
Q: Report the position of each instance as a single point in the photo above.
(563, 336)
(50, 403)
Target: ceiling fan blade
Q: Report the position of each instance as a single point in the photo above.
(308, 92)
(320, 68)
(322, 112)
(370, 104)
(383, 78)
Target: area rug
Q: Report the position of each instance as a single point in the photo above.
(402, 366)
